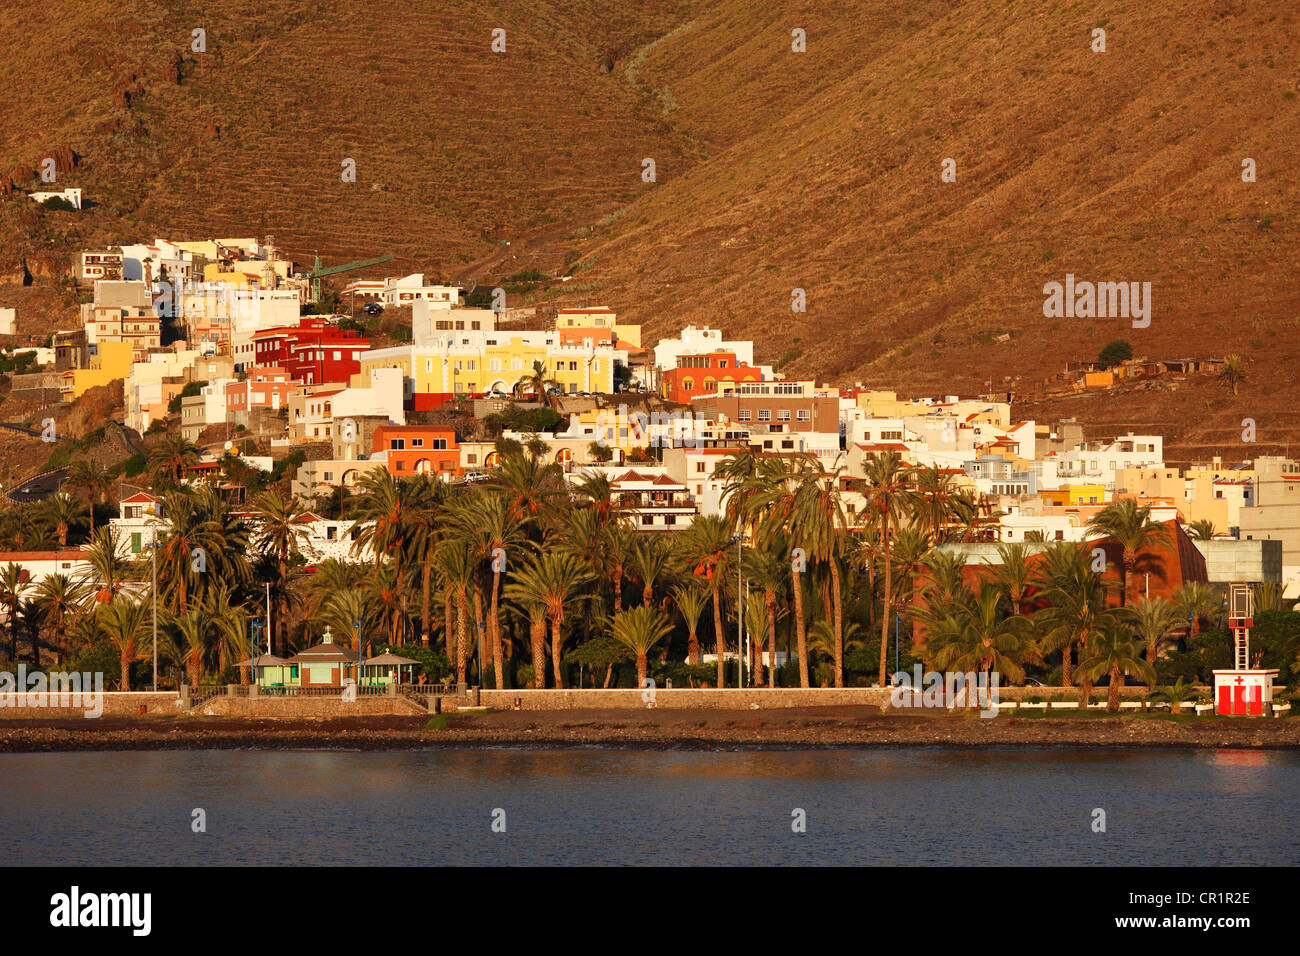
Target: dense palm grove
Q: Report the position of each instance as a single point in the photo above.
(556, 586)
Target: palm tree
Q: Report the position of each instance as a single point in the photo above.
(691, 599)
(493, 536)
(1154, 621)
(532, 490)
(888, 487)
(1076, 611)
(455, 571)
(13, 583)
(1116, 654)
(169, 458)
(540, 384)
(126, 624)
(1201, 530)
(639, 629)
(1197, 601)
(189, 641)
(1176, 693)
(933, 500)
(819, 523)
(651, 561)
(1129, 526)
(60, 599)
(94, 481)
(379, 508)
(550, 579)
(278, 525)
(1233, 372)
(1015, 575)
(766, 570)
(425, 512)
(706, 546)
(982, 638)
(105, 569)
(63, 513)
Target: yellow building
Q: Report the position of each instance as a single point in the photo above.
(111, 362)
(1075, 495)
(477, 363)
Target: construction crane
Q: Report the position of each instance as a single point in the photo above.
(317, 271)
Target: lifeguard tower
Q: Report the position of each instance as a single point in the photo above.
(1243, 691)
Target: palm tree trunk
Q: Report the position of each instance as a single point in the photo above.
(888, 598)
(537, 632)
(426, 587)
(127, 653)
(557, 643)
(448, 625)
(839, 622)
(771, 638)
(719, 639)
(1067, 665)
(462, 612)
(1112, 695)
(494, 630)
(640, 668)
(693, 648)
(801, 629)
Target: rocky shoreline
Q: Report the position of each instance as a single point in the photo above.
(652, 729)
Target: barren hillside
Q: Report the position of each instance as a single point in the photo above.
(775, 170)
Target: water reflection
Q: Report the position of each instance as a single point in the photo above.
(904, 806)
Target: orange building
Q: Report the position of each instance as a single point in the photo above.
(702, 374)
(418, 449)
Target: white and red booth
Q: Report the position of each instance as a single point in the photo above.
(1243, 693)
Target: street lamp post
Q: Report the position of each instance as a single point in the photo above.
(153, 563)
(255, 628)
(358, 625)
(897, 621)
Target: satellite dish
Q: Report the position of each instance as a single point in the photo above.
(229, 445)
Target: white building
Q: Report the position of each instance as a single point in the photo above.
(1098, 461)
(71, 196)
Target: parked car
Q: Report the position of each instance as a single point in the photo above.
(373, 308)
(474, 477)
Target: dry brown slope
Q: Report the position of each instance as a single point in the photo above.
(1116, 166)
(456, 147)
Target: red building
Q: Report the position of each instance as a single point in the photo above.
(313, 352)
(418, 449)
(701, 375)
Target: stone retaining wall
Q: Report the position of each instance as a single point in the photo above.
(382, 705)
(681, 697)
(115, 704)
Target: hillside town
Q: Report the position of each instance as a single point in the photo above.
(248, 402)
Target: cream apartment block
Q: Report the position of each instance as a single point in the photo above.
(1276, 515)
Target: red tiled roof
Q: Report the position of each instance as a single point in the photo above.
(140, 497)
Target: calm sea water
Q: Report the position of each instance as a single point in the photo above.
(927, 806)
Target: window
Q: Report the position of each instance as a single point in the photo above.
(573, 366)
(397, 443)
(710, 385)
(440, 444)
(401, 465)
(417, 442)
(471, 459)
(136, 542)
(765, 414)
(744, 415)
(688, 384)
(802, 415)
(783, 414)
(699, 467)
